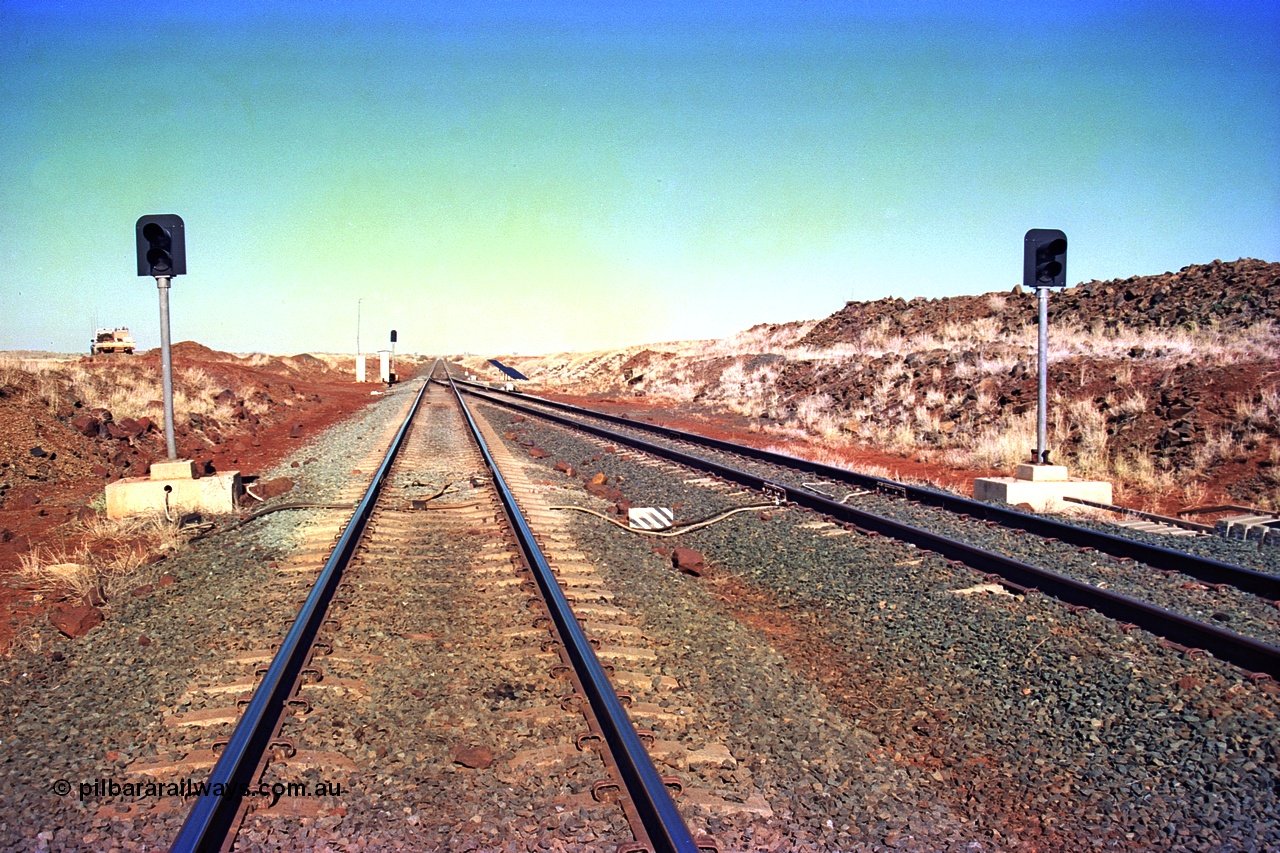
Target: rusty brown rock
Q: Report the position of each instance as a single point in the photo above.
(475, 757)
(689, 561)
(565, 468)
(77, 621)
(268, 489)
(129, 428)
(22, 499)
(86, 425)
(607, 493)
(538, 453)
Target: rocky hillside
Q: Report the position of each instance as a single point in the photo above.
(1226, 296)
(1165, 384)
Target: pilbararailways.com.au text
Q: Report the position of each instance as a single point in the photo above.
(186, 788)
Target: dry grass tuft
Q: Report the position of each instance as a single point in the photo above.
(115, 557)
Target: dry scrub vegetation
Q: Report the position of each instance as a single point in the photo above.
(1157, 409)
(123, 388)
(112, 558)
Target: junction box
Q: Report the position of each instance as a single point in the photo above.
(1042, 487)
(173, 487)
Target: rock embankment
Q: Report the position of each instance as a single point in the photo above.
(1163, 384)
(1231, 295)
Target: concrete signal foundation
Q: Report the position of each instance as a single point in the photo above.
(173, 488)
(1042, 487)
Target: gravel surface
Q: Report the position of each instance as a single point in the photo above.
(876, 705)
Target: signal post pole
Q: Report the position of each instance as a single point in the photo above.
(1039, 484)
(1042, 399)
(166, 366)
(171, 487)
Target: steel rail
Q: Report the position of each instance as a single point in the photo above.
(214, 816)
(1193, 526)
(1165, 559)
(1244, 652)
(661, 820)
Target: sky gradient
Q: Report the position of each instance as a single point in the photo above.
(534, 177)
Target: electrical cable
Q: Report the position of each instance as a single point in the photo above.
(817, 488)
(268, 510)
(466, 505)
(688, 528)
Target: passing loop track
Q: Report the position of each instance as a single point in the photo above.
(1166, 559)
(1247, 653)
(217, 814)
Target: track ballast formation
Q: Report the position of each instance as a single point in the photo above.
(773, 676)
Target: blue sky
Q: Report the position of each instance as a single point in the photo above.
(533, 177)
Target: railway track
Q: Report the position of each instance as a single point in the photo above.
(1199, 594)
(1210, 570)
(426, 577)
(806, 687)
